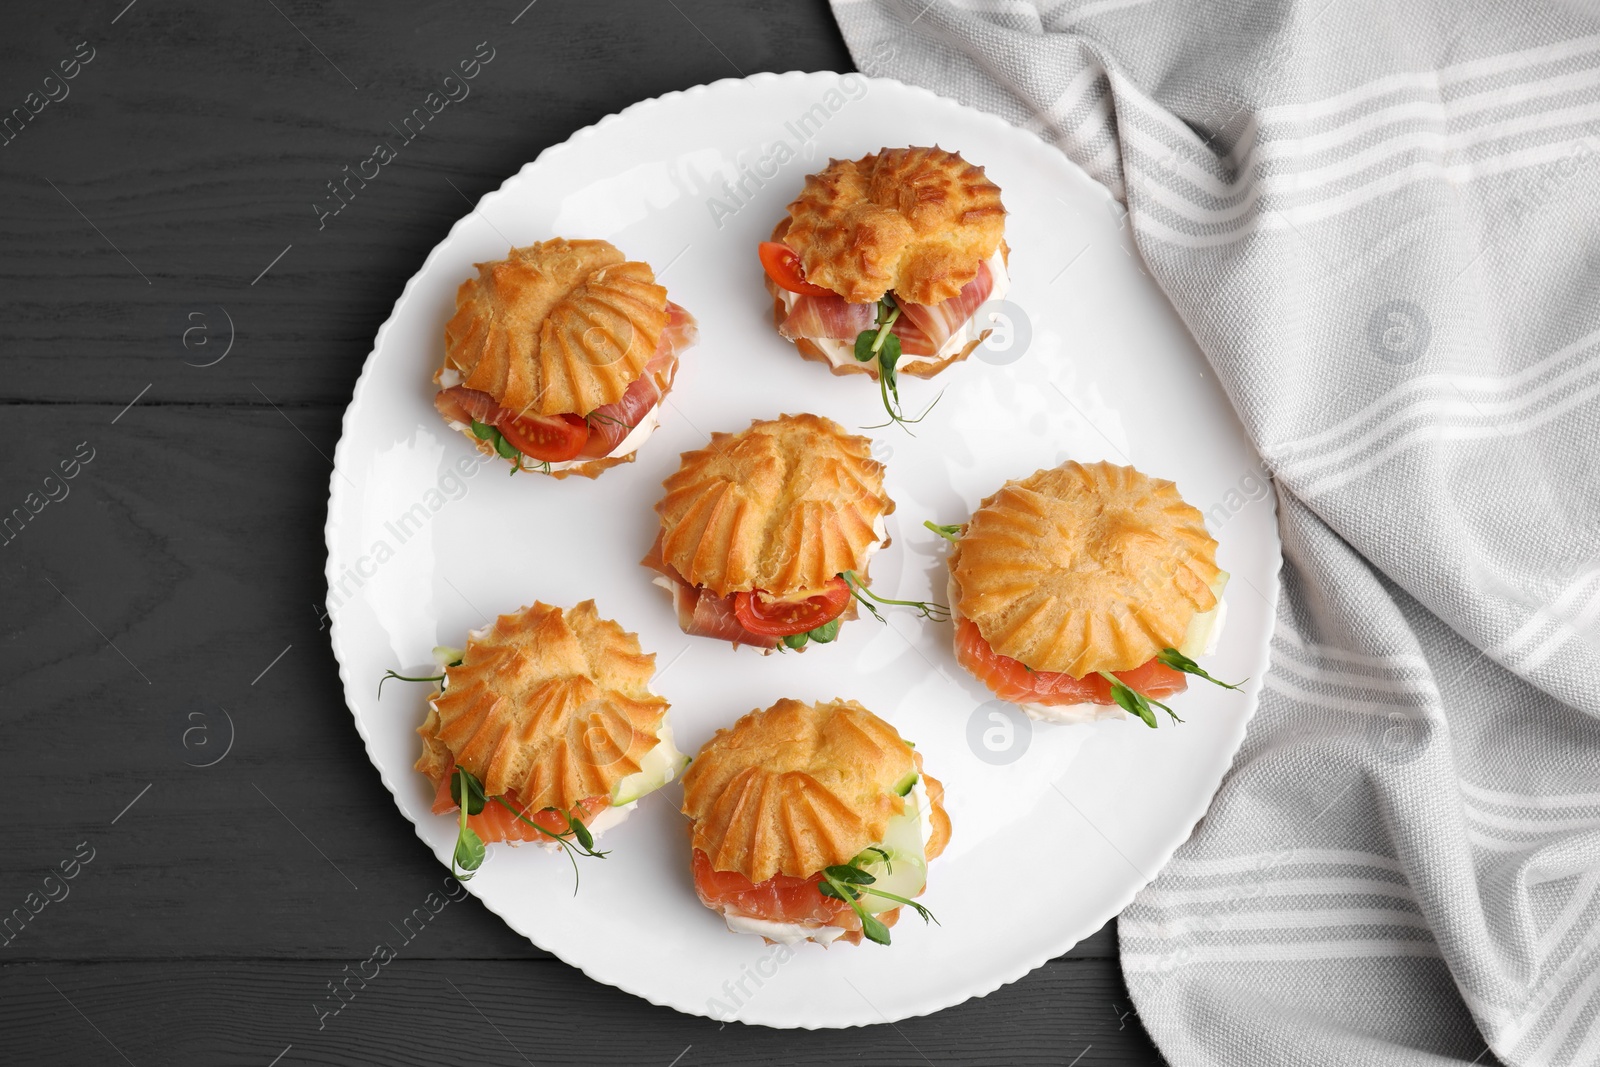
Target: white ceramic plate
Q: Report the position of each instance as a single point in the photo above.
(1055, 828)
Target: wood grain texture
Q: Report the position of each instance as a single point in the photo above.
(172, 585)
(426, 1013)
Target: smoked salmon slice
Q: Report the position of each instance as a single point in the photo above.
(783, 898)
(1010, 680)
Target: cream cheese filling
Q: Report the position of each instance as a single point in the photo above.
(783, 933)
(881, 533)
(612, 816)
(843, 353)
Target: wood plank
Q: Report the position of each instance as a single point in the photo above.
(426, 1013)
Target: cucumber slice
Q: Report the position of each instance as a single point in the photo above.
(1201, 627)
(660, 765)
(905, 870)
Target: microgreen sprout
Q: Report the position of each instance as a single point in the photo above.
(1136, 703)
(882, 345)
(406, 678)
(866, 597)
(469, 851)
(1179, 662)
(950, 533)
(823, 634)
(485, 432)
(467, 791)
(848, 881)
(456, 656)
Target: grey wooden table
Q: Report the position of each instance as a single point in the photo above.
(183, 321)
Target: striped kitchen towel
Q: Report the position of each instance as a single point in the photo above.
(1382, 224)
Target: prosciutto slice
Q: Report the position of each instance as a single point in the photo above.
(680, 332)
(913, 341)
(702, 613)
(610, 423)
(922, 328)
(460, 404)
(827, 318)
(937, 323)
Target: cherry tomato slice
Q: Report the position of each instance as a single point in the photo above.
(783, 267)
(549, 438)
(761, 614)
